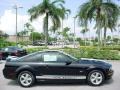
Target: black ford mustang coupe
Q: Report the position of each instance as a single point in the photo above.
(57, 65)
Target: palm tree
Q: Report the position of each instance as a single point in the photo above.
(83, 31)
(52, 10)
(65, 34)
(104, 13)
(66, 12)
(119, 32)
(28, 29)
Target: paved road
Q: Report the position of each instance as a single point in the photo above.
(113, 84)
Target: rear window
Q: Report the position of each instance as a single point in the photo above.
(35, 57)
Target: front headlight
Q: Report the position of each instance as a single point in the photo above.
(110, 68)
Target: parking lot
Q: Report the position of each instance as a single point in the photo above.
(113, 84)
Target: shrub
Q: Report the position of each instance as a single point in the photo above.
(32, 50)
(111, 48)
(85, 52)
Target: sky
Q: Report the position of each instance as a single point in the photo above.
(7, 15)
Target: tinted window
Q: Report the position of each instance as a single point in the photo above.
(63, 58)
(10, 49)
(55, 57)
(35, 57)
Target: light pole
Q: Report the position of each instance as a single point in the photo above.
(119, 34)
(74, 30)
(16, 11)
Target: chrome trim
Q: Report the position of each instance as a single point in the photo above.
(60, 77)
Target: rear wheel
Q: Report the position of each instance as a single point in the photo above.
(95, 78)
(26, 79)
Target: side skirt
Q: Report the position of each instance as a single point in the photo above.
(60, 77)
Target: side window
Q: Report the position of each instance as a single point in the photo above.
(6, 49)
(55, 57)
(50, 57)
(33, 58)
(63, 58)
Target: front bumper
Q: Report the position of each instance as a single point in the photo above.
(109, 74)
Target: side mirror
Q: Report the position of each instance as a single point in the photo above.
(68, 62)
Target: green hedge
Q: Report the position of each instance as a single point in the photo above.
(32, 50)
(111, 48)
(86, 52)
(6, 43)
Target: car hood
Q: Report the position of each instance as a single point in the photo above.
(95, 62)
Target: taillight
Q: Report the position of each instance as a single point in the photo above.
(0, 55)
(16, 53)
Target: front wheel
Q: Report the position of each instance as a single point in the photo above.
(26, 79)
(95, 78)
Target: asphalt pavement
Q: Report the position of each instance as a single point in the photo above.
(113, 84)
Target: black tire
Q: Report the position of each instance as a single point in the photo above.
(31, 76)
(92, 83)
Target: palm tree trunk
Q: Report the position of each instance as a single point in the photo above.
(99, 42)
(112, 40)
(32, 37)
(97, 20)
(89, 38)
(101, 39)
(85, 39)
(46, 30)
(62, 36)
(105, 36)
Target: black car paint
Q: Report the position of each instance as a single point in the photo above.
(75, 68)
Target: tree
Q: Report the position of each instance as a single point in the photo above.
(28, 28)
(71, 35)
(119, 32)
(66, 12)
(37, 36)
(108, 38)
(104, 13)
(116, 40)
(21, 34)
(3, 35)
(65, 34)
(51, 10)
(83, 31)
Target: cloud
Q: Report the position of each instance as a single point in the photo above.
(8, 22)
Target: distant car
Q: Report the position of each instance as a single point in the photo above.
(40, 43)
(12, 51)
(56, 65)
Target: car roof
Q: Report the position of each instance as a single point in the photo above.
(59, 52)
(51, 51)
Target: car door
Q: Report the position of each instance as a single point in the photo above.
(55, 63)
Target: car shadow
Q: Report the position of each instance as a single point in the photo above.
(108, 82)
(13, 83)
(60, 83)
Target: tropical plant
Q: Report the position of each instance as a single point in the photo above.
(104, 13)
(65, 33)
(84, 31)
(50, 9)
(3, 35)
(66, 13)
(37, 36)
(119, 32)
